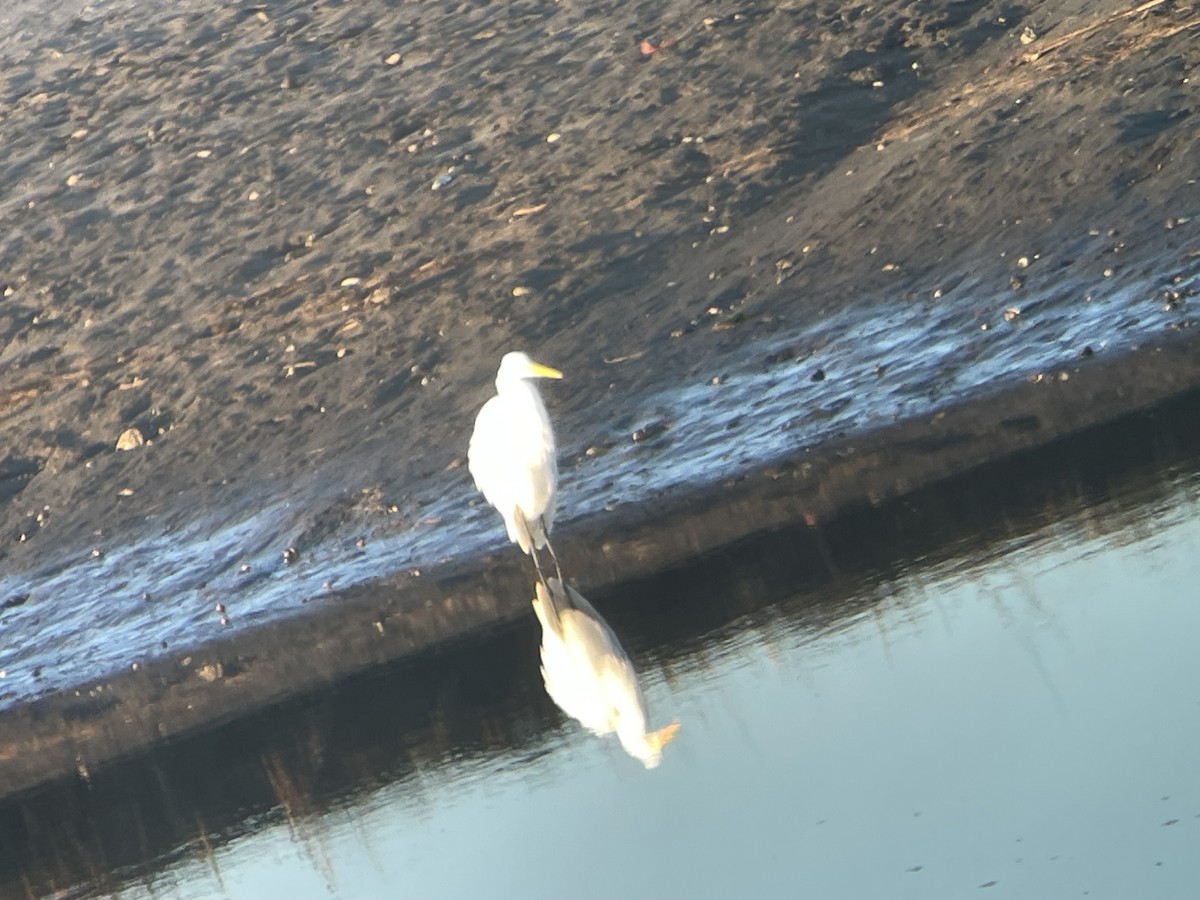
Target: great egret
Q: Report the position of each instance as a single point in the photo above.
(512, 455)
(588, 673)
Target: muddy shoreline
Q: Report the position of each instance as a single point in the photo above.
(276, 250)
(83, 729)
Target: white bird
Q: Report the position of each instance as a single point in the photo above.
(589, 675)
(512, 454)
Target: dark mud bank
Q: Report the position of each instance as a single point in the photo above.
(1149, 395)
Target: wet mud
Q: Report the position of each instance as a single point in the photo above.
(792, 258)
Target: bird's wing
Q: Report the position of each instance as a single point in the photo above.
(488, 452)
(570, 683)
(609, 675)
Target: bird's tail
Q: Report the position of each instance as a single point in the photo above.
(547, 604)
(520, 532)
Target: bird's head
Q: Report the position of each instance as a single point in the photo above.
(517, 366)
(648, 746)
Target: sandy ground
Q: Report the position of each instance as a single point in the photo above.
(191, 188)
(281, 246)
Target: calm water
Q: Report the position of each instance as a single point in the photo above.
(1018, 714)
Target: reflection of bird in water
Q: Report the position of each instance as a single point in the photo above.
(512, 455)
(588, 673)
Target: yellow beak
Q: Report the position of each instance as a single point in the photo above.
(662, 737)
(541, 371)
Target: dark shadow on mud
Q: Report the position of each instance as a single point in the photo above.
(480, 697)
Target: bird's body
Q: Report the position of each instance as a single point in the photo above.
(512, 453)
(590, 676)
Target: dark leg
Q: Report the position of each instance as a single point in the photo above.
(537, 566)
(554, 556)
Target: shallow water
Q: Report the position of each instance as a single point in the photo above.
(90, 616)
(1012, 706)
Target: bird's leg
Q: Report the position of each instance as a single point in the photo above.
(537, 566)
(553, 555)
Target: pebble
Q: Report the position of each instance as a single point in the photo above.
(648, 431)
(130, 439)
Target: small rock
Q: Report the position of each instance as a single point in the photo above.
(290, 555)
(130, 439)
(441, 181)
(648, 431)
(818, 375)
(392, 60)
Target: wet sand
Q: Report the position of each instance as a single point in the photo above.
(222, 233)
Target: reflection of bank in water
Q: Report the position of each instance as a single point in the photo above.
(590, 676)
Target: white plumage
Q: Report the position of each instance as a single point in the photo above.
(589, 675)
(512, 452)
